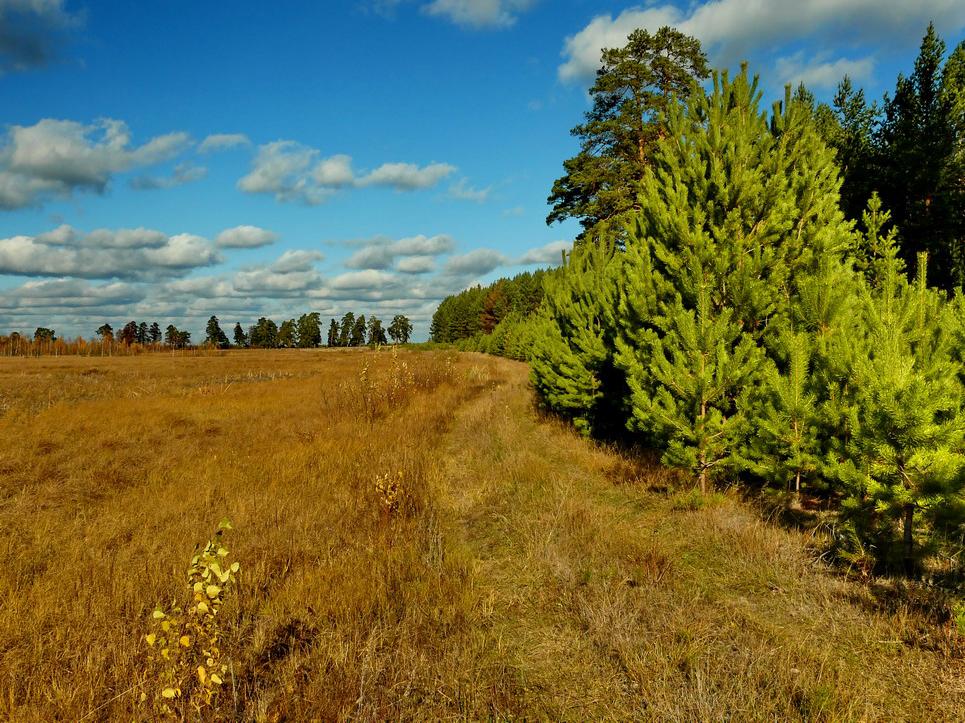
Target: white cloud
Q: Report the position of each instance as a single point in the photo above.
(183, 173)
(362, 280)
(245, 237)
(819, 73)
(54, 294)
(371, 257)
(222, 142)
(730, 29)
(57, 157)
(293, 261)
(292, 172)
(105, 253)
(281, 169)
(423, 245)
(478, 13)
(551, 253)
(335, 172)
(416, 265)
(381, 254)
(464, 192)
(480, 261)
(407, 176)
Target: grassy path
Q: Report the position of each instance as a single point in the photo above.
(603, 595)
(522, 573)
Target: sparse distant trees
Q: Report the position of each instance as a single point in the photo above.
(264, 334)
(345, 329)
(129, 333)
(357, 337)
(376, 332)
(241, 339)
(309, 330)
(287, 334)
(214, 335)
(175, 338)
(400, 329)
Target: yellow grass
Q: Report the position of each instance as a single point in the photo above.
(517, 570)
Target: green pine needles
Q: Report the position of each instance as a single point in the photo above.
(745, 330)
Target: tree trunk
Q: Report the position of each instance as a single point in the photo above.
(909, 518)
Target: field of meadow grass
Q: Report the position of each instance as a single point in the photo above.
(413, 540)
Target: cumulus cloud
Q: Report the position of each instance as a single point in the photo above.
(478, 13)
(290, 171)
(551, 253)
(475, 263)
(54, 294)
(382, 253)
(820, 73)
(367, 279)
(57, 157)
(183, 173)
(105, 254)
(296, 260)
(245, 237)
(406, 176)
(729, 29)
(464, 192)
(416, 265)
(31, 32)
(292, 272)
(222, 142)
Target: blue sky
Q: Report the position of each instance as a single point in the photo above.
(169, 161)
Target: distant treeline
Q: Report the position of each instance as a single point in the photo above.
(733, 306)
(138, 337)
(480, 310)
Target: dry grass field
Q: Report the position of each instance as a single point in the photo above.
(518, 571)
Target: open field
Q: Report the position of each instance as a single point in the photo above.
(520, 572)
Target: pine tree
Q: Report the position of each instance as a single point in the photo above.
(357, 337)
(154, 334)
(917, 142)
(909, 445)
(309, 330)
(784, 446)
(214, 335)
(333, 333)
(105, 332)
(400, 329)
(345, 330)
(738, 213)
(143, 333)
(572, 354)
(697, 369)
(288, 334)
(634, 88)
(852, 136)
(241, 339)
(376, 332)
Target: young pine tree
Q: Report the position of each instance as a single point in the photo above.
(572, 354)
(909, 444)
(696, 371)
(784, 446)
(738, 213)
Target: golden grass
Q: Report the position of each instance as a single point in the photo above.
(523, 572)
